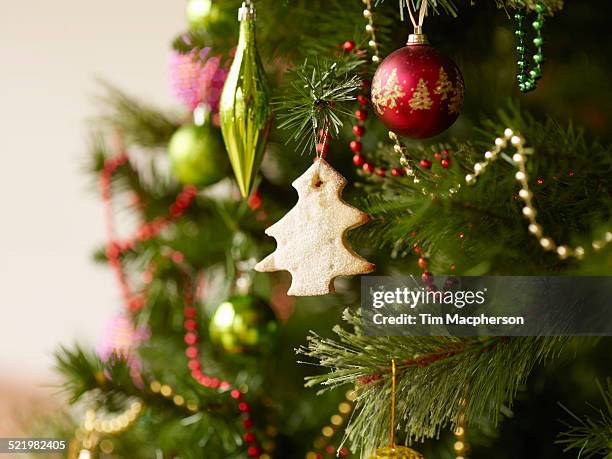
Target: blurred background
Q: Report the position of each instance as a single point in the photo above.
(52, 54)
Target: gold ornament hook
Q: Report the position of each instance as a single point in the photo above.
(392, 435)
(418, 37)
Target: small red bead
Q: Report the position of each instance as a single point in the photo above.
(355, 146)
(235, 393)
(438, 155)
(363, 100)
(255, 201)
(214, 382)
(397, 172)
(330, 449)
(368, 167)
(425, 163)
(189, 312)
(225, 385)
(570, 173)
(253, 451)
(422, 263)
(204, 380)
(243, 406)
(358, 160)
(248, 423)
(191, 338)
(540, 181)
(445, 153)
(344, 452)
(361, 114)
(196, 374)
(416, 249)
(445, 163)
(358, 130)
(348, 46)
(426, 277)
(249, 437)
(194, 365)
(191, 352)
(381, 171)
(190, 324)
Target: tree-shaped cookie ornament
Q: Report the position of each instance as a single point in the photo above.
(311, 237)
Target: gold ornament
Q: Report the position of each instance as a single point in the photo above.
(311, 237)
(397, 452)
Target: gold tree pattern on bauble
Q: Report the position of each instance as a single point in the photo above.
(311, 237)
(420, 99)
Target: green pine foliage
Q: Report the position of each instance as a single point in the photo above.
(591, 435)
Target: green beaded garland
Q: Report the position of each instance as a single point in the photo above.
(527, 78)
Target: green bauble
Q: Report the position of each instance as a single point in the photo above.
(244, 107)
(243, 323)
(197, 155)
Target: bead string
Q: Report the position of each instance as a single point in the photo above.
(169, 393)
(527, 80)
(322, 444)
(529, 212)
(461, 445)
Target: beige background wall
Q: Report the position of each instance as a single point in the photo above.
(50, 54)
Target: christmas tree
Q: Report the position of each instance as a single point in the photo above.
(484, 167)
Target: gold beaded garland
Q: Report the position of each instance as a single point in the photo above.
(525, 194)
(168, 392)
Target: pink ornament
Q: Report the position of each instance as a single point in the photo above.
(120, 339)
(197, 77)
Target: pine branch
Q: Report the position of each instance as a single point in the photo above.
(591, 436)
(316, 100)
(136, 122)
(439, 379)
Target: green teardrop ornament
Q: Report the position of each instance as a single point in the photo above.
(244, 107)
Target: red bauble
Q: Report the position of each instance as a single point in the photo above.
(417, 92)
